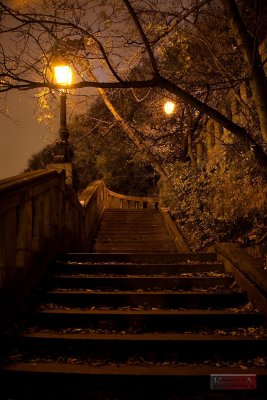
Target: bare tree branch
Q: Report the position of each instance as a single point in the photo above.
(143, 36)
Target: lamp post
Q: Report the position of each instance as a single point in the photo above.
(63, 151)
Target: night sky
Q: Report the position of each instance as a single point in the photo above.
(20, 134)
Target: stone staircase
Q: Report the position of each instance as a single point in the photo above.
(133, 325)
(132, 231)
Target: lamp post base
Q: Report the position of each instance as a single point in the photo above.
(63, 152)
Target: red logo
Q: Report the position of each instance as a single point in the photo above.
(233, 382)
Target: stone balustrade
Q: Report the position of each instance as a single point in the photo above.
(116, 200)
(39, 217)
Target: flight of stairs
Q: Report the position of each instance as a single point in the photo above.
(132, 231)
(132, 321)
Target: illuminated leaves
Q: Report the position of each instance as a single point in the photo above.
(211, 202)
(44, 113)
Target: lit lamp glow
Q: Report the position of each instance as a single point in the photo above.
(63, 75)
(169, 107)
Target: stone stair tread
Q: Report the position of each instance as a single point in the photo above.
(147, 337)
(169, 298)
(122, 216)
(141, 222)
(126, 370)
(153, 267)
(140, 258)
(131, 230)
(127, 242)
(114, 247)
(135, 282)
(188, 312)
(131, 233)
(138, 250)
(132, 243)
(131, 210)
(163, 292)
(173, 278)
(113, 250)
(132, 268)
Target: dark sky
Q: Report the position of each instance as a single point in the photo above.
(20, 135)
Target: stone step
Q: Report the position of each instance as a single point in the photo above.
(137, 250)
(131, 210)
(158, 241)
(128, 233)
(137, 282)
(139, 224)
(132, 215)
(127, 229)
(124, 242)
(192, 377)
(144, 241)
(132, 237)
(187, 347)
(142, 320)
(145, 224)
(133, 248)
(131, 232)
(153, 258)
(125, 269)
(169, 299)
(132, 221)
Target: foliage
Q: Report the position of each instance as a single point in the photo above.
(103, 151)
(221, 200)
(40, 159)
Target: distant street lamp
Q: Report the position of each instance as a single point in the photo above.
(169, 107)
(63, 151)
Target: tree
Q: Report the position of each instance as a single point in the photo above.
(249, 49)
(103, 151)
(102, 43)
(41, 159)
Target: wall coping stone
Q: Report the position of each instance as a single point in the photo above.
(246, 264)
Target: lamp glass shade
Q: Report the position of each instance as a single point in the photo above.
(63, 75)
(169, 107)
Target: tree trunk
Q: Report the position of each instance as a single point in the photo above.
(129, 131)
(250, 53)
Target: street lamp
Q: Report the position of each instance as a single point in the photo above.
(63, 77)
(169, 107)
